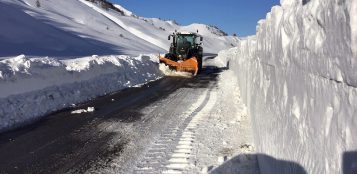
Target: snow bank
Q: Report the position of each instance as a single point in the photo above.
(298, 78)
(32, 87)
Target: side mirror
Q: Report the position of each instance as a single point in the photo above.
(169, 38)
(201, 38)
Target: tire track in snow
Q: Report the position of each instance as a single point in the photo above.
(181, 159)
(171, 152)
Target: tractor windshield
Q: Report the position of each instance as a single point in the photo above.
(185, 40)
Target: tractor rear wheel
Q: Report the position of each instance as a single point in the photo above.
(199, 61)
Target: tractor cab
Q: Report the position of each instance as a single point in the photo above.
(185, 52)
(185, 45)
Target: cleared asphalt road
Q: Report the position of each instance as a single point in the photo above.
(75, 143)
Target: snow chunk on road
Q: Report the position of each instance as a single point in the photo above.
(79, 111)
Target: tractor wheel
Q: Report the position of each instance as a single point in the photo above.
(171, 56)
(199, 61)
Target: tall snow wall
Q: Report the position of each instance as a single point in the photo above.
(298, 78)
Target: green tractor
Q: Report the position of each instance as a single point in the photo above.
(185, 52)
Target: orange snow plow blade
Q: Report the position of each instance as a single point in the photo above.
(189, 65)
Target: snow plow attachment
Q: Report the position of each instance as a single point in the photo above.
(189, 65)
(185, 53)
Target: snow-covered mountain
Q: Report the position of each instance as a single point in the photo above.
(81, 28)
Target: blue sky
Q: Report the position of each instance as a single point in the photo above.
(232, 16)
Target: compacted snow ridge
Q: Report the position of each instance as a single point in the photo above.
(298, 78)
(33, 87)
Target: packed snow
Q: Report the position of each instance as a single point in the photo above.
(298, 78)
